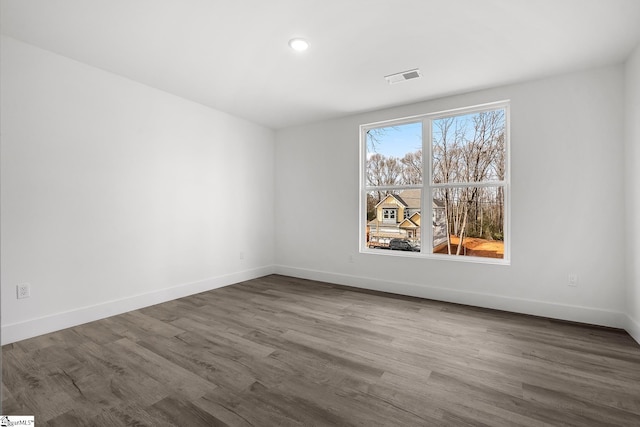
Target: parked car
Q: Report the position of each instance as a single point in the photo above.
(404, 245)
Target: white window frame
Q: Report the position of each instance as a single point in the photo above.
(428, 186)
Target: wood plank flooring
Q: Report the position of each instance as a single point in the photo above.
(279, 351)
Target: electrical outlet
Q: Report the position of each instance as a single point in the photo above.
(23, 290)
(241, 255)
(350, 259)
(573, 279)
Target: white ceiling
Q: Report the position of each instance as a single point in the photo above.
(233, 55)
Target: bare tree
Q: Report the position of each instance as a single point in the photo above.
(470, 149)
(412, 168)
(375, 136)
(382, 170)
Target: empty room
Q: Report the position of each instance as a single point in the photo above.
(211, 212)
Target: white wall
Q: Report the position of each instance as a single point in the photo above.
(567, 204)
(116, 195)
(632, 180)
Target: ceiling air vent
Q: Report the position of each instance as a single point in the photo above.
(403, 76)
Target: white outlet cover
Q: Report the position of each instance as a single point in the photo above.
(23, 290)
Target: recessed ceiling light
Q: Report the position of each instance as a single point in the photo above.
(298, 44)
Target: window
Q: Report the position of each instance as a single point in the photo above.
(389, 215)
(462, 181)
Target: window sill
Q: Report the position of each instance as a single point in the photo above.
(438, 257)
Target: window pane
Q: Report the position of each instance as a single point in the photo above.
(469, 221)
(393, 215)
(469, 147)
(394, 155)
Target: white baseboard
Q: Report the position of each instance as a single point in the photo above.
(633, 328)
(55, 322)
(58, 321)
(573, 313)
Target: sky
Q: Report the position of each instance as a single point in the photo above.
(396, 141)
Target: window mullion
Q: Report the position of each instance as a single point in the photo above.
(469, 184)
(393, 187)
(427, 192)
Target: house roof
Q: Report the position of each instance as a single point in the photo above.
(415, 218)
(411, 198)
(393, 197)
(407, 223)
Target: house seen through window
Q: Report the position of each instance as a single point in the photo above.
(453, 166)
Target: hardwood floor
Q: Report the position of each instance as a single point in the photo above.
(279, 351)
